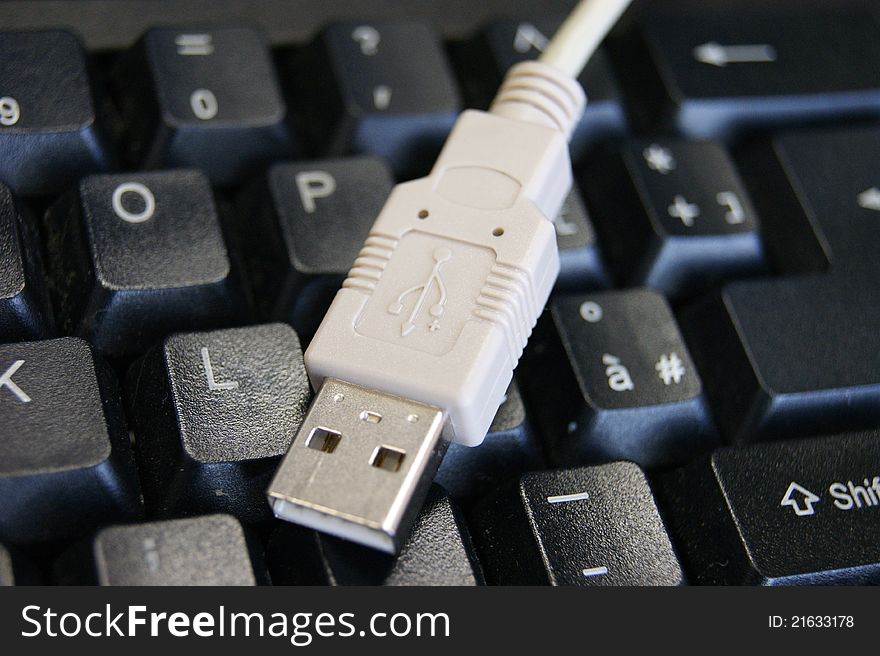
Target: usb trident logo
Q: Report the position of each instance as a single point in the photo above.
(441, 255)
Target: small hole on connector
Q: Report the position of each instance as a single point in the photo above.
(387, 458)
(497, 232)
(323, 439)
(371, 417)
(423, 214)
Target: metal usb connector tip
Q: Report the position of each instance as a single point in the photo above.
(360, 466)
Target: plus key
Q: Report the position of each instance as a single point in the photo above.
(674, 215)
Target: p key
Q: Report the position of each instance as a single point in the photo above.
(302, 225)
(205, 99)
(49, 132)
(136, 257)
(379, 88)
(590, 526)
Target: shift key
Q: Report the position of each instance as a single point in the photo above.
(788, 513)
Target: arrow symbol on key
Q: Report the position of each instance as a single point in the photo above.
(716, 54)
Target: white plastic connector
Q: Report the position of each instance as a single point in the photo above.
(457, 268)
(421, 341)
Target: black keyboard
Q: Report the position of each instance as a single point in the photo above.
(184, 185)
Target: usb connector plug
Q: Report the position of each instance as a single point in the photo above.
(359, 460)
(434, 315)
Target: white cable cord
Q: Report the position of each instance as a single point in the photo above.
(581, 34)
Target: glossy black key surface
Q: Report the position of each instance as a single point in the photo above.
(506, 42)
(206, 550)
(134, 257)
(437, 552)
(302, 226)
(203, 98)
(674, 215)
(383, 88)
(581, 265)
(65, 458)
(590, 526)
(797, 512)
(24, 312)
(610, 378)
(212, 413)
(49, 132)
(726, 70)
(510, 448)
(798, 355)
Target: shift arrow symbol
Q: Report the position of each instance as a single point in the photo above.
(800, 499)
(716, 54)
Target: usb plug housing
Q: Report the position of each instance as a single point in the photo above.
(357, 464)
(434, 314)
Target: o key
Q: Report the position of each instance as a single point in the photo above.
(146, 196)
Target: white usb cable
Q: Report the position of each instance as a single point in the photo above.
(419, 345)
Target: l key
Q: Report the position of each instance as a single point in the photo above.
(212, 412)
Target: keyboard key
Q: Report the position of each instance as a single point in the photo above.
(589, 526)
(610, 378)
(507, 42)
(799, 512)
(65, 459)
(207, 550)
(212, 413)
(24, 311)
(795, 356)
(49, 133)
(138, 256)
(727, 70)
(302, 226)
(580, 261)
(510, 449)
(379, 88)
(674, 216)
(206, 99)
(437, 552)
